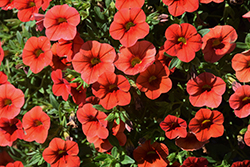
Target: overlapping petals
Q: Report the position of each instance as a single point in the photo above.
(209, 1)
(240, 64)
(195, 161)
(119, 4)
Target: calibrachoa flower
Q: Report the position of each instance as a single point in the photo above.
(128, 26)
(240, 64)
(182, 41)
(58, 62)
(247, 16)
(218, 42)
(240, 101)
(11, 100)
(61, 86)
(112, 90)
(26, 9)
(195, 161)
(93, 60)
(37, 53)
(60, 22)
(15, 164)
(3, 78)
(7, 4)
(62, 153)
(190, 142)
(209, 1)
(101, 145)
(150, 155)
(165, 60)
(10, 130)
(154, 81)
(119, 4)
(45, 4)
(207, 124)
(245, 163)
(247, 136)
(93, 121)
(177, 8)
(78, 94)
(137, 58)
(1, 53)
(174, 127)
(36, 124)
(206, 90)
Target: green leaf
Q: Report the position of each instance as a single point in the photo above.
(98, 12)
(53, 101)
(110, 117)
(114, 152)
(127, 160)
(204, 31)
(242, 45)
(19, 38)
(29, 73)
(107, 3)
(101, 157)
(174, 62)
(247, 39)
(113, 140)
(100, 108)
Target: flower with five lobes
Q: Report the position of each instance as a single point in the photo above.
(182, 41)
(119, 4)
(60, 22)
(129, 25)
(206, 90)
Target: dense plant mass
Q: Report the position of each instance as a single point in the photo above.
(111, 83)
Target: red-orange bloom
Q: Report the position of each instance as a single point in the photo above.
(93, 122)
(247, 136)
(218, 42)
(36, 124)
(128, 26)
(60, 22)
(27, 8)
(61, 86)
(10, 130)
(207, 124)
(62, 153)
(154, 81)
(174, 127)
(148, 155)
(206, 90)
(7, 4)
(195, 161)
(119, 4)
(37, 53)
(182, 41)
(11, 100)
(5, 158)
(45, 4)
(3, 78)
(15, 164)
(247, 16)
(165, 60)
(112, 90)
(136, 58)
(209, 1)
(58, 62)
(245, 163)
(78, 94)
(93, 60)
(1, 53)
(190, 142)
(241, 65)
(240, 101)
(177, 8)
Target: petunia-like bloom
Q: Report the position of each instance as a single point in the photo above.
(150, 155)
(78, 94)
(93, 121)
(93, 100)
(10, 130)
(69, 47)
(118, 130)
(60, 22)
(174, 127)
(39, 21)
(240, 101)
(190, 142)
(45, 4)
(61, 153)
(182, 41)
(36, 124)
(112, 90)
(195, 161)
(7, 4)
(11, 100)
(177, 8)
(15, 164)
(93, 60)
(247, 16)
(165, 60)
(129, 25)
(136, 58)
(1, 53)
(26, 9)
(37, 53)
(241, 65)
(247, 136)
(58, 62)
(245, 163)
(3, 78)
(206, 90)
(218, 42)
(61, 86)
(209, 1)
(154, 81)
(119, 4)
(207, 124)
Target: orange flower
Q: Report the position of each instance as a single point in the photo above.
(182, 41)
(15, 164)
(62, 153)
(207, 124)
(78, 94)
(241, 65)
(194, 161)
(37, 53)
(218, 42)
(129, 25)
(119, 4)
(245, 163)
(1, 53)
(7, 4)
(150, 155)
(209, 1)
(60, 22)
(36, 124)
(247, 16)
(165, 60)
(247, 136)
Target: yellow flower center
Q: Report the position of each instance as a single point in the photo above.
(31, 4)
(206, 121)
(111, 87)
(216, 42)
(129, 25)
(95, 61)
(7, 102)
(61, 20)
(61, 152)
(206, 87)
(183, 40)
(135, 60)
(37, 123)
(246, 98)
(152, 78)
(150, 152)
(38, 52)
